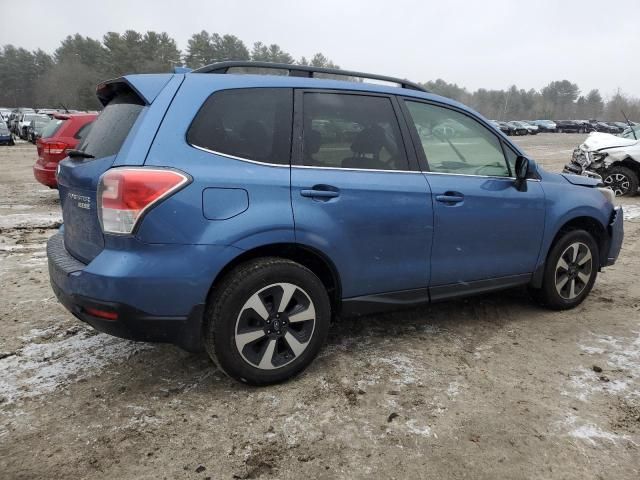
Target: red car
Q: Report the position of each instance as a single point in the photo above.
(63, 132)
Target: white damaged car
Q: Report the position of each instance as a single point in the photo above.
(616, 159)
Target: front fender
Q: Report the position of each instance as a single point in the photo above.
(566, 203)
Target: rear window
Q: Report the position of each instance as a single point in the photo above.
(109, 131)
(252, 123)
(52, 127)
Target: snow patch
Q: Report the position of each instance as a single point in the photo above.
(591, 433)
(40, 368)
(453, 390)
(29, 220)
(424, 431)
(631, 212)
(621, 360)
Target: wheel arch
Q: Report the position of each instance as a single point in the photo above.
(584, 222)
(305, 255)
(629, 163)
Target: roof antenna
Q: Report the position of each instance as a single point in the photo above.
(66, 110)
(629, 123)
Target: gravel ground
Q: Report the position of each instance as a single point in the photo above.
(484, 388)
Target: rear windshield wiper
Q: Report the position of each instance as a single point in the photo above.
(79, 153)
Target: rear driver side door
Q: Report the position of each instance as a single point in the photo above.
(358, 195)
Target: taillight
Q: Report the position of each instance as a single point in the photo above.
(125, 194)
(54, 148)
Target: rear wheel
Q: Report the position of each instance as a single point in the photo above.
(570, 271)
(267, 321)
(622, 180)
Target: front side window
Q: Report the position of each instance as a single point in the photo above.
(456, 143)
(252, 123)
(351, 131)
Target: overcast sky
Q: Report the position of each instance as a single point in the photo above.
(486, 43)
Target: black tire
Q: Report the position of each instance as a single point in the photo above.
(622, 180)
(556, 297)
(229, 316)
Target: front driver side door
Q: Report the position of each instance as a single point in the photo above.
(487, 233)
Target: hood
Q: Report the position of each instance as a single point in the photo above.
(598, 141)
(581, 180)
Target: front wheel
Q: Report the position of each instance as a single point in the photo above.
(570, 271)
(267, 321)
(622, 180)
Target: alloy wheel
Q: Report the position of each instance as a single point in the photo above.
(275, 326)
(619, 183)
(573, 270)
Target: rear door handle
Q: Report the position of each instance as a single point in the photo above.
(450, 197)
(324, 192)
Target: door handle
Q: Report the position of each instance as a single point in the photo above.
(324, 192)
(450, 197)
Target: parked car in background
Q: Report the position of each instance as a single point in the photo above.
(63, 132)
(532, 127)
(15, 117)
(616, 127)
(6, 137)
(36, 126)
(612, 159)
(571, 126)
(602, 127)
(504, 127)
(23, 123)
(518, 128)
(4, 114)
(547, 126)
(198, 212)
(47, 111)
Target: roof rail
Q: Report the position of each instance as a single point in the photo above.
(304, 71)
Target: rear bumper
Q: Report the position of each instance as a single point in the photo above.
(45, 176)
(134, 324)
(616, 236)
(158, 293)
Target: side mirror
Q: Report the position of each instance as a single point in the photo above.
(522, 169)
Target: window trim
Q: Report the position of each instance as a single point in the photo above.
(298, 121)
(417, 143)
(234, 157)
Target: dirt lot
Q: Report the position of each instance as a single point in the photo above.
(483, 388)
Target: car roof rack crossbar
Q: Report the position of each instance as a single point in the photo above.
(305, 71)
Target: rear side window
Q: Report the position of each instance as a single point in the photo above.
(351, 131)
(112, 126)
(52, 127)
(253, 123)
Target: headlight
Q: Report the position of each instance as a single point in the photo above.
(608, 193)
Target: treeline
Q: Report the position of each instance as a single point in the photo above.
(558, 100)
(68, 76)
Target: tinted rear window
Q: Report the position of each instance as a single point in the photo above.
(52, 128)
(112, 126)
(253, 123)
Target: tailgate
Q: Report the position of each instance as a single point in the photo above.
(78, 177)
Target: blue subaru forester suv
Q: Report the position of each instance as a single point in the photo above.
(241, 212)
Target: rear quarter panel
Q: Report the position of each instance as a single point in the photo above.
(267, 217)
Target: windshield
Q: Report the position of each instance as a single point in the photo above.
(628, 133)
